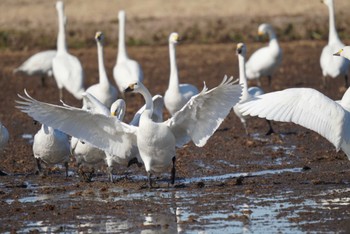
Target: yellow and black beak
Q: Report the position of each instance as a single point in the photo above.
(99, 36)
(338, 53)
(130, 88)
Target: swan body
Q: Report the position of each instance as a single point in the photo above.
(177, 95)
(67, 69)
(4, 137)
(39, 64)
(265, 60)
(103, 91)
(247, 94)
(51, 146)
(196, 121)
(126, 70)
(308, 108)
(330, 65)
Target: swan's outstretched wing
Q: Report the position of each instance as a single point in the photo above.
(304, 106)
(94, 105)
(204, 112)
(104, 132)
(158, 105)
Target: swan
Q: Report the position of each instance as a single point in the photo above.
(247, 94)
(51, 146)
(103, 91)
(156, 142)
(4, 137)
(265, 60)
(344, 52)
(330, 65)
(308, 108)
(126, 70)
(67, 69)
(39, 64)
(177, 95)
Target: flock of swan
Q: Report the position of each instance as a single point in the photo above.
(99, 134)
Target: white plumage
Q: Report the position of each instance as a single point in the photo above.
(39, 64)
(51, 146)
(126, 70)
(103, 91)
(344, 52)
(308, 108)
(247, 94)
(177, 95)
(265, 60)
(156, 142)
(67, 69)
(330, 65)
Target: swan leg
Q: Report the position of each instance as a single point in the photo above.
(270, 128)
(39, 169)
(346, 81)
(173, 171)
(67, 167)
(149, 174)
(43, 83)
(60, 94)
(270, 78)
(245, 127)
(110, 174)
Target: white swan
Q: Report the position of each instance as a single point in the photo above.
(265, 60)
(103, 91)
(39, 64)
(4, 137)
(156, 142)
(344, 52)
(247, 94)
(177, 95)
(308, 108)
(330, 65)
(126, 70)
(51, 146)
(67, 68)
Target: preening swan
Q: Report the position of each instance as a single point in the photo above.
(51, 146)
(67, 68)
(247, 94)
(103, 91)
(308, 108)
(39, 64)
(196, 121)
(265, 60)
(330, 65)
(177, 95)
(4, 137)
(126, 70)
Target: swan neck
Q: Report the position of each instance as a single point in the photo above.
(242, 75)
(148, 98)
(174, 76)
(121, 41)
(333, 35)
(101, 66)
(61, 37)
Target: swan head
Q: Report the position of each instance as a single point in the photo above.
(121, 14)
(344, 52)
(327, 2)
(264, 29)
(99, 37)
(174, 38)
(59, 5)
(241, 49)
(132, 88)
(118, 109)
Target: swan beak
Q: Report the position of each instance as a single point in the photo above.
(130, 88)
(261, 33)
(239, 48)
(338, 53)
(99, 36)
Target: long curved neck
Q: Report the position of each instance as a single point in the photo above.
(148, 99)
(242, 76)
(273, 39)
(333, 35)
(101, 66)
(121, 43)
(174, 77)
(61, 37)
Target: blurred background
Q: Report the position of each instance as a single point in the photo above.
(30, 24)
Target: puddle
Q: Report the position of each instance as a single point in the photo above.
(28, 137)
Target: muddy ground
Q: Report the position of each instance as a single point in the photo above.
(290, 182)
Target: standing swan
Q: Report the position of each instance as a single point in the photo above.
(103, 91)
(177, 95)
(266, 60)
(196, 121)
(247, 94)
(125, 71)
(39, 64)
(67, 68)
(330, 65)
